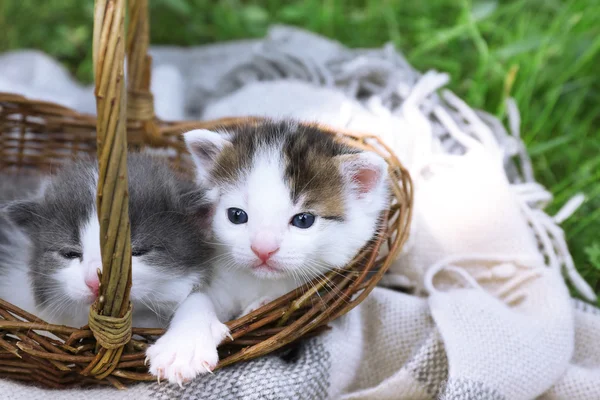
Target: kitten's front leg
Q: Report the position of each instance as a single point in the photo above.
(255, 305)
(189, 347)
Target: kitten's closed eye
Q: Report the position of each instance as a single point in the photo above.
(142, 251)
(70, 254)
(139, 252)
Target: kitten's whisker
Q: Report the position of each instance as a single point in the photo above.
(150, 306)
(324, 269)
(60, 303)
(229, 265)
(309, 280)
(215, 244)
(328, 282)
(41, 273)
(303, 282)
(218, 257)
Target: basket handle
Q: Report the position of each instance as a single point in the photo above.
(140, 102)
(110, 315)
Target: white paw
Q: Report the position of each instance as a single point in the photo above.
(255, 305)
(183, 353)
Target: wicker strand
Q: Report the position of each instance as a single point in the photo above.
(140, 102)
(110, 332)
(112, 198)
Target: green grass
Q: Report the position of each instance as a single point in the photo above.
(545, 53)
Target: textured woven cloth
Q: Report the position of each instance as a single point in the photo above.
(489, 315)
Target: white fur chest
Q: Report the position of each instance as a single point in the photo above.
(233, 291)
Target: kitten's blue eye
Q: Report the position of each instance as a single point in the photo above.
(237, 216)
(303, 220)
(70, 255)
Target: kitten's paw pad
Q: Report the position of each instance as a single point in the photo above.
(181, 355)
(256, 305)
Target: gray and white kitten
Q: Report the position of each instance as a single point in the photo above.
(291, 203)
(50, 243)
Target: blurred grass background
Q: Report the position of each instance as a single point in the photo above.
(545, 53)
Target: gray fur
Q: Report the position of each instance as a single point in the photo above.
(18, 186)
(168, 217)
(168, 214)
(12, 243)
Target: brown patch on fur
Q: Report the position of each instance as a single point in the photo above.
(235, 159)
(313, 173)
(310, 156)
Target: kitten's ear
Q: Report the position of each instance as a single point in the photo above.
(196, 203)
(366, 172)
(22, 213)
(205, 146)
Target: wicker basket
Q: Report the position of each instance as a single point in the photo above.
(38, 135)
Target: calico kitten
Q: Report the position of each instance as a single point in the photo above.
(48, 267)
(291, 203)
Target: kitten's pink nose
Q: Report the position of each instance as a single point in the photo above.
(264, 250)
(93, 284)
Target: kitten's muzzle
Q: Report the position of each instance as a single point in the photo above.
(264, 249)
(94, 284)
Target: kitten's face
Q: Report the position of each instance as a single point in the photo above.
(290, 200)
(168, 246)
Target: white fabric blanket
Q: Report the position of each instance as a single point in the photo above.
(489, 315)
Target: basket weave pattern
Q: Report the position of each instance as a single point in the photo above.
(36, 136)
